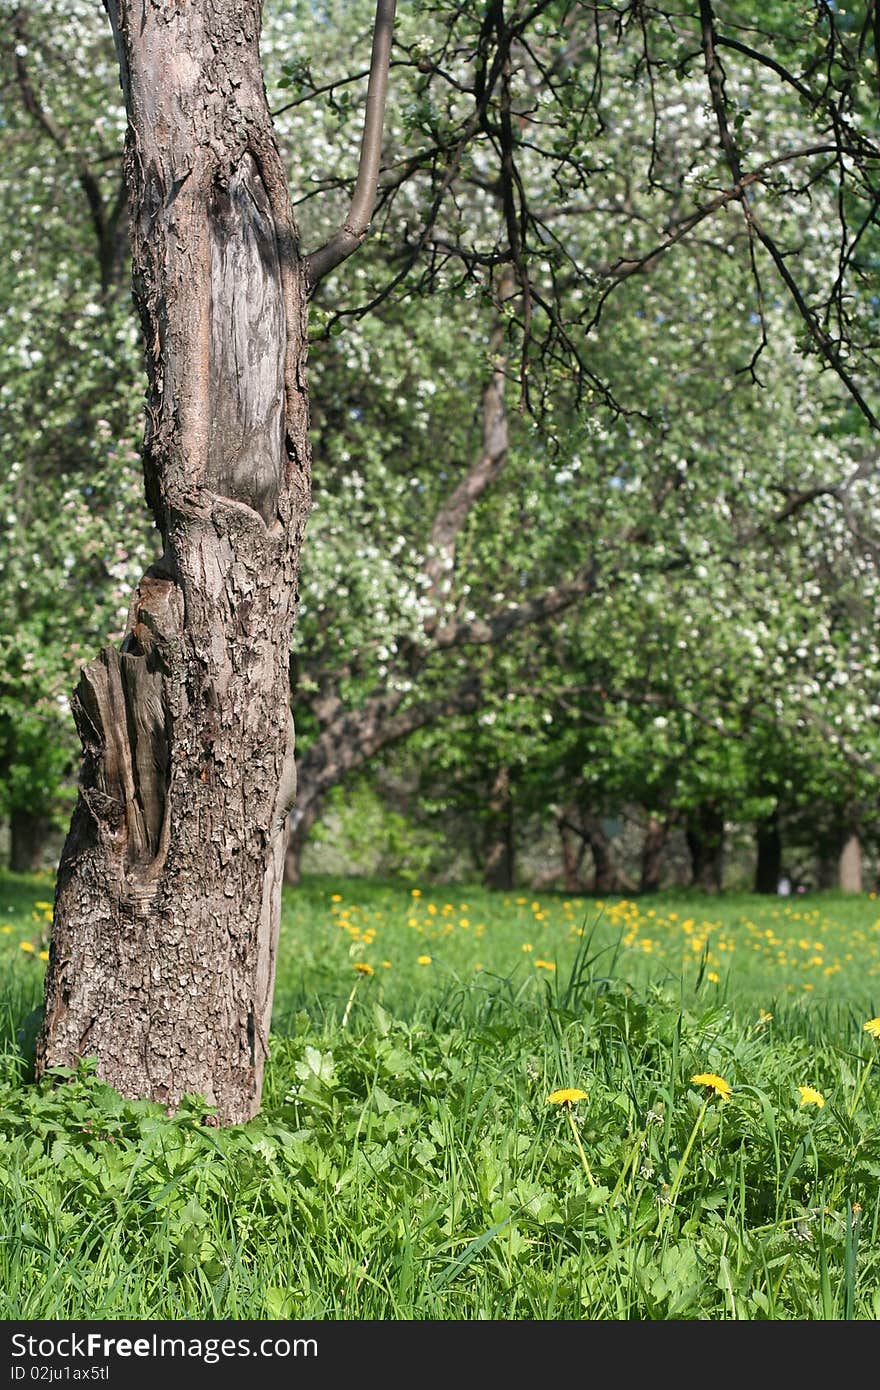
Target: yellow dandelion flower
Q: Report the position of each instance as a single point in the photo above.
(5, 930)
(873, 1027)
(363, 968)
(44, 955)
(336, 897)
(425, 960)
(567, 1096)
(715, 1083)
(26, 946)
(527, 946)
(44, 906)
(386, 965)
(544, 965)
(415, 892)
(713, 976)
(810, 1096)
(763, 1016)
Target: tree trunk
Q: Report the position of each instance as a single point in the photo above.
(498, 863)
(768, 865)
(604, 875)
(705, 840)
(572, 858)
(300, 823)
(653, 845)
(168, 896)
(850, 864)
(27, 840)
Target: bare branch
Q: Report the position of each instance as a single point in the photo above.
(356, 225)
(827, 347)
(105, 227)
(490, 461)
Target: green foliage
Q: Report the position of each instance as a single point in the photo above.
(368, 836)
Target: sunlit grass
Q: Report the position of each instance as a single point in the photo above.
(711, 1149)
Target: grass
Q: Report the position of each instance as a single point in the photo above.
(407, 1163)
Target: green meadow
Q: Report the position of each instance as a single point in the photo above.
(478, 1106)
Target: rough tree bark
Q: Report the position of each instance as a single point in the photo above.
(168, 895)
(167, 904)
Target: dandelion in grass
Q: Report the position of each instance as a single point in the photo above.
(425, 960)
(810, 1096)
(567, 1098)
(715, 1083)
(544, 965)
(872, 1028)
(44, 955)
(363, 971)
(26, 946)
(715, 1086)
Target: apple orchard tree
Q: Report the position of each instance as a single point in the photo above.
(168, 896)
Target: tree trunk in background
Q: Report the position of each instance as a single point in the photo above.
(498, 862)
(28, 834)
(168, 896)
(850, 864)
(768, 865)
(705, 841)
(300, 824)
(653, 845)
(572, 858)
(604, 876)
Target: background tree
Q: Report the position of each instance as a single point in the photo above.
(625, 244)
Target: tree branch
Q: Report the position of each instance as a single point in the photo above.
(354, 229)
(104, 229)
